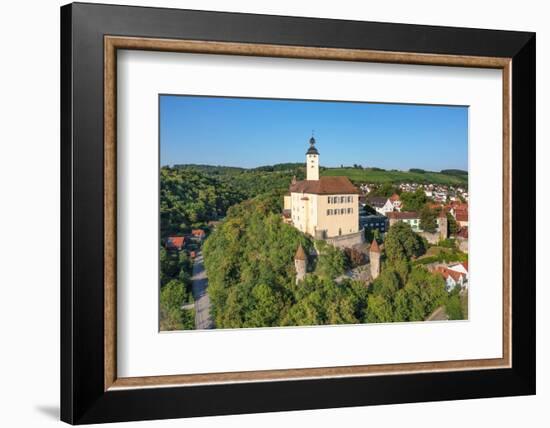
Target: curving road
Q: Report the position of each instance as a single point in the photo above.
(202, 301)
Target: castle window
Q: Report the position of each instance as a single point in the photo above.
(341, 199)
(329, 201)
(328, 212)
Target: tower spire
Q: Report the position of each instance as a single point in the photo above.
(312, 160)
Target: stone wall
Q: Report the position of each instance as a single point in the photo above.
(432, 238)
(462, 244)
(349, 240)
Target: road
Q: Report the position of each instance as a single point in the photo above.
(438, 315)
(202, 301)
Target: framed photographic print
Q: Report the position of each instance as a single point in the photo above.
(266, 213)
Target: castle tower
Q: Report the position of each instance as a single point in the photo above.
(442, 224)
(300, 263)
(312, 161)
(374, 254)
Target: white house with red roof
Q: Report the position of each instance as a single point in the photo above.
(461, 268)
(455, 276)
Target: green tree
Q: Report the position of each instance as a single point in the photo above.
(452, 225)
(453, 305)
(379, 309)
(428, 220)
(331, 261)
(413, 201)
(266, 307)
(401, 243)
(385, 189)
(172, 317)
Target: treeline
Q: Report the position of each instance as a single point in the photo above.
(454, 172)
(250, 264)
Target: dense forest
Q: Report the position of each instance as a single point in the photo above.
(193, 195)
(249, 260)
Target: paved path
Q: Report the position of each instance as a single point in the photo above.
(202, 301)
(438, 315)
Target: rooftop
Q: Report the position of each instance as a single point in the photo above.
(325, 186)
(377, 201)
(300, 253)
(403, 215)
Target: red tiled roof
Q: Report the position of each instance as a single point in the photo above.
(394, 197)
(325, 186)
(465, 264)
(403, 215)
(175, 242)
(449, 273)
(197, 232)
(463, 233)
(461, 215)
(374, 247)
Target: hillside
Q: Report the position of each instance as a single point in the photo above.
(369, 175)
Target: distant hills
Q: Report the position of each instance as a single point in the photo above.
(356, 173)
(380, 176)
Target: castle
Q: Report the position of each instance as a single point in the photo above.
(324, 207)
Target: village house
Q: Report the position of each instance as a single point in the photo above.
(174, 243)
(462, 239)
(410, 217)
(396, 202)
(198, 234)
(452, 278)
(460, 268)
(374, 222)
(324, 207)
(462, 218)
(381, 204)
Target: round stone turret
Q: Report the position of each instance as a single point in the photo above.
(300, 263)
(374, 255)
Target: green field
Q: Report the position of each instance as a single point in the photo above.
(374, 176)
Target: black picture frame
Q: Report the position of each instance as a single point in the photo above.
(83, 399)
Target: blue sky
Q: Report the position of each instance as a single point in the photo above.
(252, 132)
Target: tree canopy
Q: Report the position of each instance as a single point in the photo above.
(413, 201)
(401, 243)
(428, 219)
